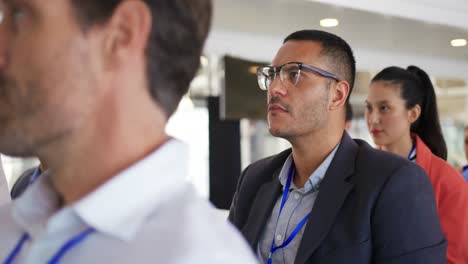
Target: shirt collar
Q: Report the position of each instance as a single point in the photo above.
(121, 205)
(4, 194)
(313, 183)
(36, 205)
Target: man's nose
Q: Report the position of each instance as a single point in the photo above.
(277, 88)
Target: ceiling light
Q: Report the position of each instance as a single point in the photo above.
(253, 69)
(329, 22)
(458, 42)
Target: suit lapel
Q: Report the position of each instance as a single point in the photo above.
(332, 194)
(261, 209)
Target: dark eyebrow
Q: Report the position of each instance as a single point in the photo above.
(379, 102)
(24, 2)
(9, 2)
(383, 102)
(12, 2)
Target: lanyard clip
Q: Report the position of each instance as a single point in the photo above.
(269, 261)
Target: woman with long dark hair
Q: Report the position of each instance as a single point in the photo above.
(401, 114)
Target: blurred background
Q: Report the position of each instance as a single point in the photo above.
(222, 118)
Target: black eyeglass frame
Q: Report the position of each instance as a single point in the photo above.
(276, 70)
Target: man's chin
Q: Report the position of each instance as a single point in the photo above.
(278, 132)
(15, 150)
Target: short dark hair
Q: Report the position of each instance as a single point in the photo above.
(349, 112)
(416, 89)
(179, 30)
(339, 53)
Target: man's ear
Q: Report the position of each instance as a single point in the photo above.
(128, 32)
(339, 94)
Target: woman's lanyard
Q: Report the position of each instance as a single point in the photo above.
(465, 168)
(74, 241)
(298, 227)
(410, 155)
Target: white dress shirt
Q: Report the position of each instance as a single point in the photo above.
(147, 213)
(4, 193)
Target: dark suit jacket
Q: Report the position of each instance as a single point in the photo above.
(372, 207)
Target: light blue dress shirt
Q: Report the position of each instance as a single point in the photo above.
(299, 203)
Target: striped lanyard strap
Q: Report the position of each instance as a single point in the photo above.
(298, 227)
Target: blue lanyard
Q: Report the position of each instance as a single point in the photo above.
(17, 249)
(465, 168)
(62, 251)
(36, 173)
(411, 152)
(298, 227)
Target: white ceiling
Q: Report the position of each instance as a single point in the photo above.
(254, 29)
(446, 12)
(381, 33)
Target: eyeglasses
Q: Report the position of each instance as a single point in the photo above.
(290, 74)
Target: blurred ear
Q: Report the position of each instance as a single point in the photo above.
(127, 32)
(339, 94)
(414, 113)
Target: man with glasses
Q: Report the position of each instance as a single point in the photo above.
(329, 199)
(87, 86)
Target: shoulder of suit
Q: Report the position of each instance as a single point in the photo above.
(369, 162)
(266, 168)
(276, 160)
(378, 164)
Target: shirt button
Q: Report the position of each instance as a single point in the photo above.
(297, 196)
(279, 238)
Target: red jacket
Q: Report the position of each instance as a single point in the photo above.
(451, 192)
